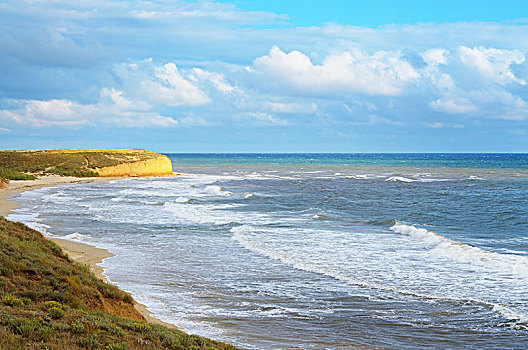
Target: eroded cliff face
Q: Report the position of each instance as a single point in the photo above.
(159, 166)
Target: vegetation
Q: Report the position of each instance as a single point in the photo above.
(10, 174)
(48, 301)
(69, 160)
(16, 165)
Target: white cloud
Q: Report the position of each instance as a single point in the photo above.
(261, 119)
(145, 121)
(218, 80)
(351, 72)
(292, 108)
(170, 88)
(493, 64)
(438, 125)
(53, 52)
(453, 105)
(116, 110)
(47, 113)
(196, 121)
(435, 56)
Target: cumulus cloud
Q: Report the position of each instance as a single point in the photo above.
(66, 113)
(218, 80)
(354, 72)
(493, 64)
(47, 113)
(170, 88)
(85, 63)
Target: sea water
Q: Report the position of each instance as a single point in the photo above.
(315, 251)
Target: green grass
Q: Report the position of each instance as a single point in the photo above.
(48, 301)
(10, 174)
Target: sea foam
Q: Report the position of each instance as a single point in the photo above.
(465, 253)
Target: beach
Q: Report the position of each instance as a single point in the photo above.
(310, 251)
(80, 252)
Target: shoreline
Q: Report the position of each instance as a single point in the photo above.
(80, 252)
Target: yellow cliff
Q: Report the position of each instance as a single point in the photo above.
(159, 166)
(18, 164)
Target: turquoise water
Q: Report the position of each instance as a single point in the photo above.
(313, 251)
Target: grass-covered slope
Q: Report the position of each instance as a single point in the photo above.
(80, 163)
(48, 301)
(10, 174)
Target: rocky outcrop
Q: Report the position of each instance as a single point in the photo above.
(159, 166)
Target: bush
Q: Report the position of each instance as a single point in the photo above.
(56, 313)
(51, 304)
(141, 327)
(11, 301)
(10, 174)
(23, 327)
(77, 328)
(119, 346)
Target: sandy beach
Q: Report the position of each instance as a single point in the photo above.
(80, 252)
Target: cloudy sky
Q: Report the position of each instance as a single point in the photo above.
(265, 76)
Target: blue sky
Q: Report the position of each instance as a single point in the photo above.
(265, 76)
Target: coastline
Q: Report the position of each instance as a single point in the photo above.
(80, 252)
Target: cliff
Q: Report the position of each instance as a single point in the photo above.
(85, 162)
(159, 166)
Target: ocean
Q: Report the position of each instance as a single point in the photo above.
(315, 251)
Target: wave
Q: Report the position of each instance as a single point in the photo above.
(259, 240)
(321, 217)
(77, 236)
(401, 179)
(465, 253)
(406, 179)
(217, 191)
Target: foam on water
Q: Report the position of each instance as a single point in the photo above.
(507, 263)
(77, 236)
(401, 179)
(417, 269)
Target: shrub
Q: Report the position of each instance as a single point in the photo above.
(10, 174)
(77, 328)
(23, 327)
(11, 301)
(56, 313)
(141, 327)
(52, 303)
(127, 298)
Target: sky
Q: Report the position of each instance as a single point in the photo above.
(265, 76)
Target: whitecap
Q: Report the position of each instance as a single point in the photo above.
(506, 263)
(400, 178)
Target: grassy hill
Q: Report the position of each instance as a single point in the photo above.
(80, 163)
(48, 301)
